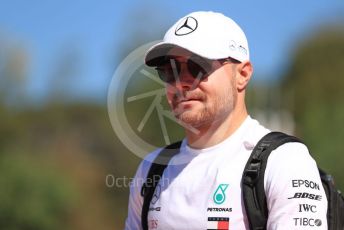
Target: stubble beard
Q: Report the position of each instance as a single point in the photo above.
(210, 113)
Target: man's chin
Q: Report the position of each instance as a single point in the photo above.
(190, 118)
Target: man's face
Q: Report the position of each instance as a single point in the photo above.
(200, 102)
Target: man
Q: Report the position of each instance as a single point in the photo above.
(204, 60)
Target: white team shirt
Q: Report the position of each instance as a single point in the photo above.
(201, 188)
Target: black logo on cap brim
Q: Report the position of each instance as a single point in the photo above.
(186, 26)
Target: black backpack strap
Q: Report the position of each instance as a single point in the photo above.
(335, 202)
(253, 178)
(153, 177)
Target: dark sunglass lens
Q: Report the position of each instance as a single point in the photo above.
(162, 74)
(199, 67)
(169, 71)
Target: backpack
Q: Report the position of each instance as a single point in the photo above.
(252, 183)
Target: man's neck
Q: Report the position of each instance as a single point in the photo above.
(218, 131)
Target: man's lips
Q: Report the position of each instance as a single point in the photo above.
(184, 101)
(186, 97)
(191, 99)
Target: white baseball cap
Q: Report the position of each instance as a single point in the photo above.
(208, 34)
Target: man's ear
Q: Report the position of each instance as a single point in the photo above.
(244, 73)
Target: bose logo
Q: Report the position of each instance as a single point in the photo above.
(306, 195)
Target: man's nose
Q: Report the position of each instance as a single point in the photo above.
(185, 80)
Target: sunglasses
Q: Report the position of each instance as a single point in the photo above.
(169, 69)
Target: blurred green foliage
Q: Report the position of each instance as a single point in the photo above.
(31, 195)
(54, 162)
(314, 93)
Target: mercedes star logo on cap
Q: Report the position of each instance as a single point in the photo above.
(186, 26)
